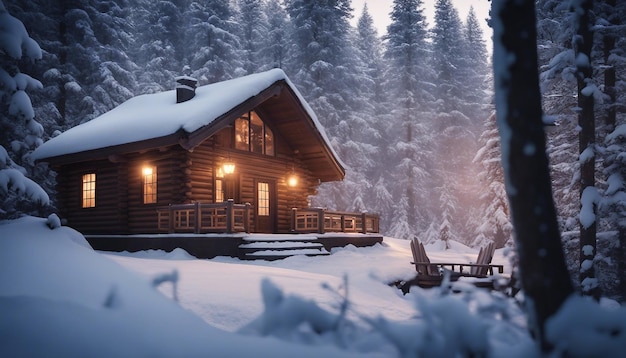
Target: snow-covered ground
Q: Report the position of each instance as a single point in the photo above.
(58, 297)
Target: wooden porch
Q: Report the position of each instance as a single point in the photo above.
(240, 245)
(228, 217)
(319, 220)
(199, 218)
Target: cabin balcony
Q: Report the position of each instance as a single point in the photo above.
(228, 217)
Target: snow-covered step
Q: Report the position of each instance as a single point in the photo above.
(272, 255)
(280, 245)
(287, 253)
(276, 247)
(280, 237)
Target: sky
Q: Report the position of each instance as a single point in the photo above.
(380, 9)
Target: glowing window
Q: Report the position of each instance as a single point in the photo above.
(89, 190)
(242, 134)
(252, 135)
(149, 175)
(269, 141)
(219, 190)
(263, 203)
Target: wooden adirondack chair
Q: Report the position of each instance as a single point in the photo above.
(430, 274)
(483, 264)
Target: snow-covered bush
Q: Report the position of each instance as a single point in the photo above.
(295, 319)
(16, 190)
(457, 322)
(584, 328)
(53, 221)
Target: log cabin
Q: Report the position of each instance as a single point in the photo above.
(243, 155)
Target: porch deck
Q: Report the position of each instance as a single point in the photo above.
(228, 217)
(207, 246)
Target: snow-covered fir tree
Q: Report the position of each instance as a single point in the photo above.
(253, 31)
(478, 76)
(324, 67)
(610, 40)
(557, 56)
(213, 47)
(491, 222)
(21, 133)
(275, 48)
(409, 83)
(161, 44)
(448, 58)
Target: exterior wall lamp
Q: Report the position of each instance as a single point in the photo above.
(229, 167)
(292, 180)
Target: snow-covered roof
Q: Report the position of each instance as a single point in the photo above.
(158, 115)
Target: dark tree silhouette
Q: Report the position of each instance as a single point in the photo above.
(544, 277)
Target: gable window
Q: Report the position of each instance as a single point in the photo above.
(89, 190)
(149, 175)
(252, 135)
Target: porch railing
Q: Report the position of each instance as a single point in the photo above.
(320, 220)
(226, 217)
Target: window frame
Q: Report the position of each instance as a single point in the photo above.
(88, 190)
(149, 185)
(267, 135)
(218, 190)
(263, 198)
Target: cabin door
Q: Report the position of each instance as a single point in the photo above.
(265, 206)
(231, 190)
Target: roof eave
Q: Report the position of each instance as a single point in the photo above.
(107, 152)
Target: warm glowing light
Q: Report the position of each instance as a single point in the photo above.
(229, 168)
(292, 180)
(147, 171)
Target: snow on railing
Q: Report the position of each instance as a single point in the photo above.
(226, 217)
(320, 220)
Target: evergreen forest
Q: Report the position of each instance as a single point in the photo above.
(410, 111)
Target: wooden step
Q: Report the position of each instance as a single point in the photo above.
(268, 248)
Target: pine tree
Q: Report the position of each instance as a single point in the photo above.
(162, 45)
(493, 221)
(408, 81)
(324, 64)
(21, 133)
(477, 75)
(556, 60)
(582, 44)
(448, 57)
(320, 53)
(276, 43)
(214, 50)
(612, 40)
(252, 30)
(114, 82)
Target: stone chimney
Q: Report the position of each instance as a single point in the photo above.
(185, 88)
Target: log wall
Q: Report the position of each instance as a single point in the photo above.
(110, 213)
(182, 177)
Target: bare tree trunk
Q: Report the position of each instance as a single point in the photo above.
(544, 276)
(610, 93)
(582, 43)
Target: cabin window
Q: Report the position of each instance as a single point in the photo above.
(89, 190)
(263, 194)
(219, 185)
(252, 135)
(149, 174)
